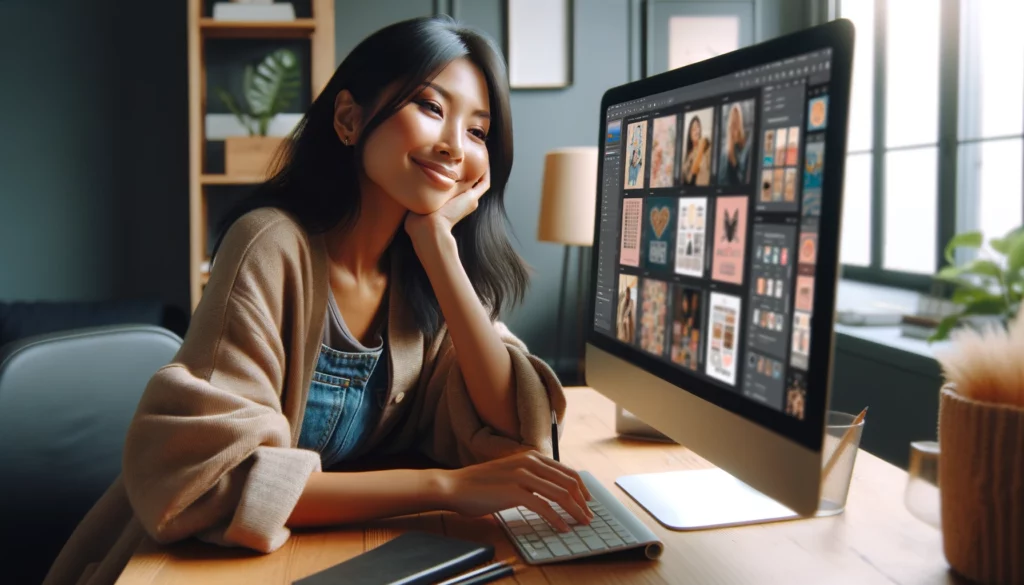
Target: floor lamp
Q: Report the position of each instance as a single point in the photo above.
(567, 217)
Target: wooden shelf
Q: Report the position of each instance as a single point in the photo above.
(317, 32)
(229, 180)
(298, 28)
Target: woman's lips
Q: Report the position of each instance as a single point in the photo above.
(437, 174)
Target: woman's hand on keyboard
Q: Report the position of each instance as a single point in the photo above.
(518, 480)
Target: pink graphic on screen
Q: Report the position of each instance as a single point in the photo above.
(729, 239)
(632, 216)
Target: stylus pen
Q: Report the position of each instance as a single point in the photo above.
(554, 434)
(489, 576)
(478, 572)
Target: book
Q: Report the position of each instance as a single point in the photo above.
(413, 558)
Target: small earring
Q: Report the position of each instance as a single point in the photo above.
(345, 140)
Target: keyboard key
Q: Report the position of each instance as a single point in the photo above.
(539, 555)
(536, 522)
(615, 542)
(598, 523)
(604, 530)
(558, 549)
(522, 530)
(570, 538)
(578, 548)
(550, 539)
(584, 531)
(533, 537)
(608, 537)
(595, 543)
(545, 532)
(629, 539)
(510, 515)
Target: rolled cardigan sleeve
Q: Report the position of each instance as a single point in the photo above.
(457, 436)
(208, 453)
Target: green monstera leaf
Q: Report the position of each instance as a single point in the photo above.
(271, 86)
(268, 88)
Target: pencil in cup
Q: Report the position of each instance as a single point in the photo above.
(839, 452)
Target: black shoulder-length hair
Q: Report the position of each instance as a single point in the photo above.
(317, 178)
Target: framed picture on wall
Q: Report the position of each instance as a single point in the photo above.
(538, 43)
(682, 32)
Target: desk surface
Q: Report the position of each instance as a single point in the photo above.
(875, 541)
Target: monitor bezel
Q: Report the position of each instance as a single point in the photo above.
(838, 35)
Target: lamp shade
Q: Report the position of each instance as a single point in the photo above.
(568, 197)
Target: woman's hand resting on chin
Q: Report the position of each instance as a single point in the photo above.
(517, 480)
(444, 219)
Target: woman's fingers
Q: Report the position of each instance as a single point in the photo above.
(557, 494)
(572, 486)
(545, 511)
(568, 477)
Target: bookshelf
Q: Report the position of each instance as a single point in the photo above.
(316, 29)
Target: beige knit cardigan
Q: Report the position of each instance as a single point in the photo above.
(211, 452)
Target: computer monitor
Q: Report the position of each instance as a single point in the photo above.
(714, 275)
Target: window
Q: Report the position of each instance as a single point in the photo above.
(936, 132)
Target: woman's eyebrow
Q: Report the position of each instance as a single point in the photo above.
(448, 96)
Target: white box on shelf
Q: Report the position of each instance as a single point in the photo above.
(222, 126)
(236, 12)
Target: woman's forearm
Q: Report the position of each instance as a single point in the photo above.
(343, 498)
(483, 358)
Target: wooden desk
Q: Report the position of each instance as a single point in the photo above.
(875, 541)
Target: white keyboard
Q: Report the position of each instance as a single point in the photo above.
(614, 528)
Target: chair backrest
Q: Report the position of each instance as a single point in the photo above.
(66, 400)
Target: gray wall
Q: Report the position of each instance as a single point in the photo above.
(57, 185)
(93, 161)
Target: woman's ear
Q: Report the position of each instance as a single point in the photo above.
(348, 117)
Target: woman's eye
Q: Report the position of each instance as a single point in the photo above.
(479, 133)
(431, 106)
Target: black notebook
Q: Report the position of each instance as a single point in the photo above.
(413, 558)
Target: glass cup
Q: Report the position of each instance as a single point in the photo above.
(843, 436)
(921, 496)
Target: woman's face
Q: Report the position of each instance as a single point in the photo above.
(433, 148)
(735, 127)
(695, 130)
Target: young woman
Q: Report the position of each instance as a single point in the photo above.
(697, 166)
(734, 164)
(351, 315)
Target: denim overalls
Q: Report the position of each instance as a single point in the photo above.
(346, 396)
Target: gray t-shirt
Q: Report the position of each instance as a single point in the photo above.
(338, 337)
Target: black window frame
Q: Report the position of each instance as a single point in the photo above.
(948, 151)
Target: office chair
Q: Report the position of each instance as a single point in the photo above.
(66, 400)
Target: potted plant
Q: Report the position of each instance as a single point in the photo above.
(268, 88)
(981, 450)
(988, 288)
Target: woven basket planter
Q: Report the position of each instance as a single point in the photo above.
(981, 481)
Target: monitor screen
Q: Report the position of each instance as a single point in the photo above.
(707, 236)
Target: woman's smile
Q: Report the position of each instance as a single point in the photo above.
(438, 174)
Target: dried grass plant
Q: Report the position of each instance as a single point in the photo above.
(987, 365)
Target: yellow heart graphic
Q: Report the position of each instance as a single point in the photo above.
(659, 220)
